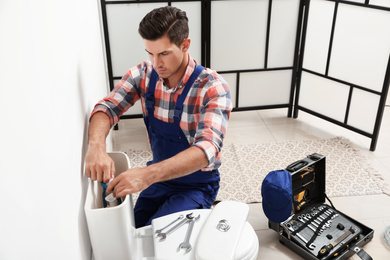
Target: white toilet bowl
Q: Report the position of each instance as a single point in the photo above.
(220, 233)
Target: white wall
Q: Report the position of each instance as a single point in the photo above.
(52, 72)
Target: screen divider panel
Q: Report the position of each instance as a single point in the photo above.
(345, 71)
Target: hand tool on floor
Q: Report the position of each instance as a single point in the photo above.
(325, 250)
(164, 235)
(170, 224)
(186, 244)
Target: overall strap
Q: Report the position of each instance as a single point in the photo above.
(149, 97)
(183, 95)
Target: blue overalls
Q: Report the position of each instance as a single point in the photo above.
(195, 191)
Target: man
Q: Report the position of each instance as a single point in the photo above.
(185, 108)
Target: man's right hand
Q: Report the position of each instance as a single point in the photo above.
(99, 166)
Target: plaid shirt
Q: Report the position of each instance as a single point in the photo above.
(206, 109)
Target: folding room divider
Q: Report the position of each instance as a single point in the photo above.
(329, 58)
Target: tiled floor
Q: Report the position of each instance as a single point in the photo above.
(274, 126)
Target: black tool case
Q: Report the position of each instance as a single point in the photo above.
(316, 230)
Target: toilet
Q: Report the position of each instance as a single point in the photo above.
(218, 233)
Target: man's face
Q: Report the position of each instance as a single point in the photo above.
(166, 57)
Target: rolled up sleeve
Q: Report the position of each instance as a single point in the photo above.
(123, 96)
(212, 127)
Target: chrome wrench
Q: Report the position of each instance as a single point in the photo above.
(170, 224)
(302, 219)
(186, 244)
(311, 246)
(164, 235)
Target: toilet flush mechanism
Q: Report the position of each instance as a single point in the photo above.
(223, 225)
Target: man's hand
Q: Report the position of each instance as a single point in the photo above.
(130, 181)
(138, 179)
(99, 166)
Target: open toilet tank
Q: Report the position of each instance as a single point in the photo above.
(220, 233)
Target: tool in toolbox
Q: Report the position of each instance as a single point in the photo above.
(316, 230)
(322, 231)
(325, 250)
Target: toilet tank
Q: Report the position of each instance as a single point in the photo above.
(112, 231)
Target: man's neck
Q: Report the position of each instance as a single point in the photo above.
(174, 80)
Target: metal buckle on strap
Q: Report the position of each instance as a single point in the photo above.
(361, 253)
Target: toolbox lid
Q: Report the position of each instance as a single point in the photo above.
(308, 181)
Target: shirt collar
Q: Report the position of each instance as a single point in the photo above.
(187, 74)
(190, 68)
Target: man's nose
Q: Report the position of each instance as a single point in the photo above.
(156, 61)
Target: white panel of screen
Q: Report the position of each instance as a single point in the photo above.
(284, 20)
(324, 96)
(318, 35)
(265, 88)
(385, 3)
(364, 107)
(361, 46)
(238, 34)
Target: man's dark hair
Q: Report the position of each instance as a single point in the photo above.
(163, 21)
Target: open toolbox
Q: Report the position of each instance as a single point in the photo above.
(316, 230)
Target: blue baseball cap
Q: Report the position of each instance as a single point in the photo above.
(276, 191)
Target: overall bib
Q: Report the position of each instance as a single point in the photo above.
(195, 191)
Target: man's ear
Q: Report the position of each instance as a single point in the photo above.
(185, 45)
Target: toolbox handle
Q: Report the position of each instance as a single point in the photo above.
(296, 165)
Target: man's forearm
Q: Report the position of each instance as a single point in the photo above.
(184, 163)
(98, 165)
(99, 127)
